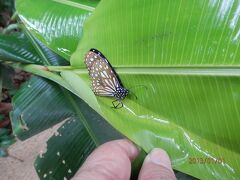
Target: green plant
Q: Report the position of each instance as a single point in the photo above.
(185, 52)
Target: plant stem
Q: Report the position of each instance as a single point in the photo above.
(10, 28)
(14, 16)
(60, 68)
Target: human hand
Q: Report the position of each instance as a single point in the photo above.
(112, 161)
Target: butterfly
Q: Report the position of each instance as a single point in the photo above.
(105, 81)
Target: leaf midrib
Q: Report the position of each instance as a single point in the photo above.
(201, 71)
(195, 71)
(76, 5)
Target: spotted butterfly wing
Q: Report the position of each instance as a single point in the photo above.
(104, 79)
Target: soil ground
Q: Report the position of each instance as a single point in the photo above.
(19, 165)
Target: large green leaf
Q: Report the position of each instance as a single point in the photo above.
(15, 47)
(6, 75)
(190, 106)
(166, 33)
(27, 114)
(186, 54)
(59, 28)
(65, 152)
(1, 81)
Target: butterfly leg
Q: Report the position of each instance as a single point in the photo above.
(114, 106)
(119, 103)
(117, 106)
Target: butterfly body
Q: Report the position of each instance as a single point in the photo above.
(105, 81)
(120, 93)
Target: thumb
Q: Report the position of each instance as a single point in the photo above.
(156, 166)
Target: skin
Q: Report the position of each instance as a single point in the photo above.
(112, 161)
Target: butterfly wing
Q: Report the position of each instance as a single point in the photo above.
(89, 59)
(104, 78)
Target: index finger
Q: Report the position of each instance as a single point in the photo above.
(111, 160)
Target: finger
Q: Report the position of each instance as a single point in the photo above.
(111, 160)
(156, 166)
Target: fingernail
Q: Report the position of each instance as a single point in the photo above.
(160, 157)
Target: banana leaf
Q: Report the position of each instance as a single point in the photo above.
(6, 76)
(186, 55)
(59, 28)
(1, 81)
(65, 151)
(15, 47)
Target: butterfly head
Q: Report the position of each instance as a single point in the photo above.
(120, 93)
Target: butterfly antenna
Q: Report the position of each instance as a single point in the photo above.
(130, 92)
(138, 86)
